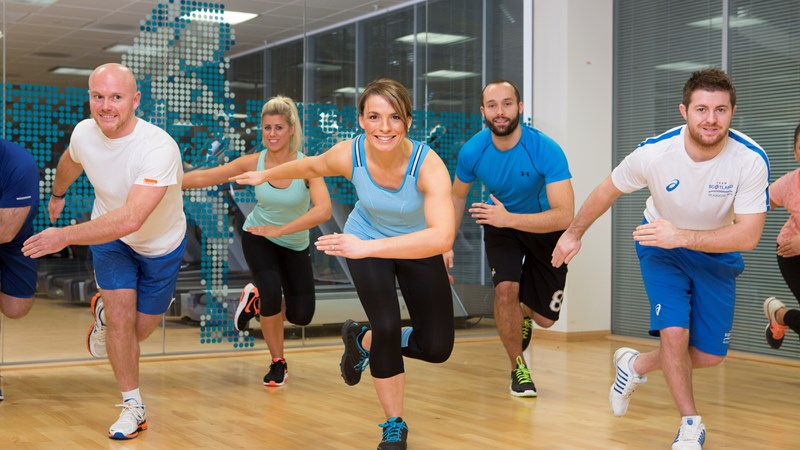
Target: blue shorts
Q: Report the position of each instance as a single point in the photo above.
(117, 266)
(694, 290)
(17, 271)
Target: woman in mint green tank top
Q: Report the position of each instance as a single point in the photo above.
(275, 237)
(397, 232)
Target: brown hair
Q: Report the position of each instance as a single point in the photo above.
(711, 79)
(394, 93)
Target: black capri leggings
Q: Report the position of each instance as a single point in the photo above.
(274, 267)
(426, 291)
(790, 269)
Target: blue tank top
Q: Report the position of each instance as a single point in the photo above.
(380, 212)
(280, 206)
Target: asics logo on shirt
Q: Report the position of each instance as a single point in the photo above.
(673, 184)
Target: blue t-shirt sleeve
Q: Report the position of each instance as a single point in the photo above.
(468, 156)
(20, 185)
(554, 162)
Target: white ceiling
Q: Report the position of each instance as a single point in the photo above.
(75, 32)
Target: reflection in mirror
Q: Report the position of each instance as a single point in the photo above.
(211, 105)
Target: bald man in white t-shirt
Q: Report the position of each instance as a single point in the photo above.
(137, 233)
(708, 201)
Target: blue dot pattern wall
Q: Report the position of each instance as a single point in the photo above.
(180, 66)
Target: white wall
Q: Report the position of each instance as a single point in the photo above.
(572, 103)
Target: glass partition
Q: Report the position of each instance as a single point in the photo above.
(211, 105)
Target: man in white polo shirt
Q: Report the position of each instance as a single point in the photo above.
(708, 201)
(137, 234)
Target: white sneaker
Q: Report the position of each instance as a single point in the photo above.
(131, 421)
(691, 434)
(96, 338)
(625, 381)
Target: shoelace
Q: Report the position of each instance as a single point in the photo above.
(526, 330)
(778, 331)
(392, 431)
(255, 303)
(690, 434)
(364, 361)
(522, 373)
(132, 412)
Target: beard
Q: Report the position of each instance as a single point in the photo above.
(503, 130)
(703, 141)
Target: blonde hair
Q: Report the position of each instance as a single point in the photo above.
(394, 93)
(285, 107)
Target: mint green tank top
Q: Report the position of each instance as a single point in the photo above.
(280, 206)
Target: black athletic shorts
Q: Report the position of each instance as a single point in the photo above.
(524, 258)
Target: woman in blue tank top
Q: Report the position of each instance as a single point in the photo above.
(402, 223)
(275, 237)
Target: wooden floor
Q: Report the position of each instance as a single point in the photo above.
(219, 402)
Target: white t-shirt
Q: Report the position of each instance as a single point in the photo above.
(696, 195)
(148, 157)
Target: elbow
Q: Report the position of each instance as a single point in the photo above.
(750, 244)
(326, 213)
(445, 242)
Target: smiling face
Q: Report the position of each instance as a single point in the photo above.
(276, 133)
(113, 100)
(501, 109)
(384, 127)
(708, 118)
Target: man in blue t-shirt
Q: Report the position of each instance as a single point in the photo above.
(530, 204)
(19, 196)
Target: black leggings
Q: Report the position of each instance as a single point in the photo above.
(426, 291)
(790, 269)
(274, 267)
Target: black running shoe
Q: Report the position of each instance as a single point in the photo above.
(248, 307)
(521, 382)
(527, 330)
(278, 373)
(354, 359)
(395, 433)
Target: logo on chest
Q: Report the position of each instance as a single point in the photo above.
(673, 184)
(720, 189)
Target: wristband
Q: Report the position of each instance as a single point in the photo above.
(60, 197)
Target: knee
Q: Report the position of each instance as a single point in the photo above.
(506, 292)
(12, 313)
(542, 321)
(702, 360)
(300, 311)
(15, 308)
(439, 351)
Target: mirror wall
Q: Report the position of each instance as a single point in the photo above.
(204, 81)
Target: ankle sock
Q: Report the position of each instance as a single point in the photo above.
(132, 395)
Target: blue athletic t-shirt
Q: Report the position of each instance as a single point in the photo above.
(381, 212)
(19, 184)
(518, 176)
